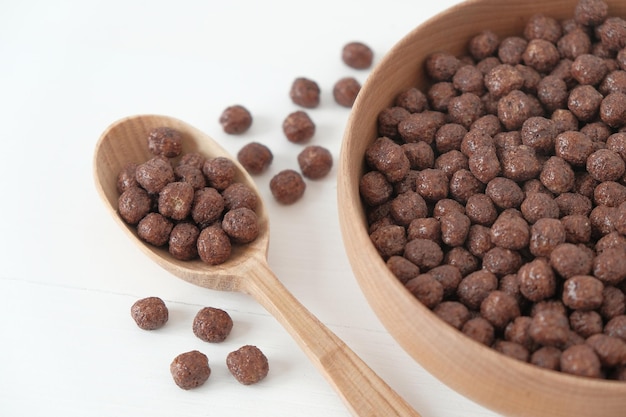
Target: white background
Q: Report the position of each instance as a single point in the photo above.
(68, 275)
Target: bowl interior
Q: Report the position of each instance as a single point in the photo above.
(493, 380)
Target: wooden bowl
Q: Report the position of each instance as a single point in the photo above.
(505, 385)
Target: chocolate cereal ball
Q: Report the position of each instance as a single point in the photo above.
(212, 324)
(126, 177)
(590, 12)
(248, 364)
(165, 141)
(581, 360)
(426, 289)
(214, 246)
(219, 172)
(441, 66)
(389, 240)
(287, 186)
(255, 157)
(155, 174)
(190, 369)
(241, 225)
(183, 241)
(483, 44)
(235, 119)
(133, 204)
(298, 127)
(207, 207)
(346, 90)
(605, 165)
(613, 109)
(315, 162)
(305, 93)
(155, 229)
(475, 287)
(149, 313)
(238, 195)
(413, 100)
(357, 55)
(190, 174)
(175, 200)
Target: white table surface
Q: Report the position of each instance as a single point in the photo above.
(68, 275)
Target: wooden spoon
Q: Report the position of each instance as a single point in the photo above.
(364, 392)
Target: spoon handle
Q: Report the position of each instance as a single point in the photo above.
(364, 392)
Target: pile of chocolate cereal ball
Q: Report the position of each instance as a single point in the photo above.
(314, 161)
(191, 369)
(497, 196)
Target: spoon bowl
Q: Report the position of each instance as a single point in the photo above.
(247, 270)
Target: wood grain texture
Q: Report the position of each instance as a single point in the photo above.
(493, 380)
(364, 393)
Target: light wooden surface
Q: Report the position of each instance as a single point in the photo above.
(365, 394)
(503, 384)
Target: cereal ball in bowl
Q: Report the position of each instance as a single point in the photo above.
(510, 205)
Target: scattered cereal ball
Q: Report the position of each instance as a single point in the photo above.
(241, 225)
(287, 186)
(255, 157)
(190, 369)
(305, 92)
(248, 364)
(345, 91)
(154, 229)
(155, 174)
(149, 313)
(298, 127)
(133, 204)
(315, 161)
(183, 241)
(212, 324)
(165, 141)
(357, 55)
(214, 246)
(235, 119)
